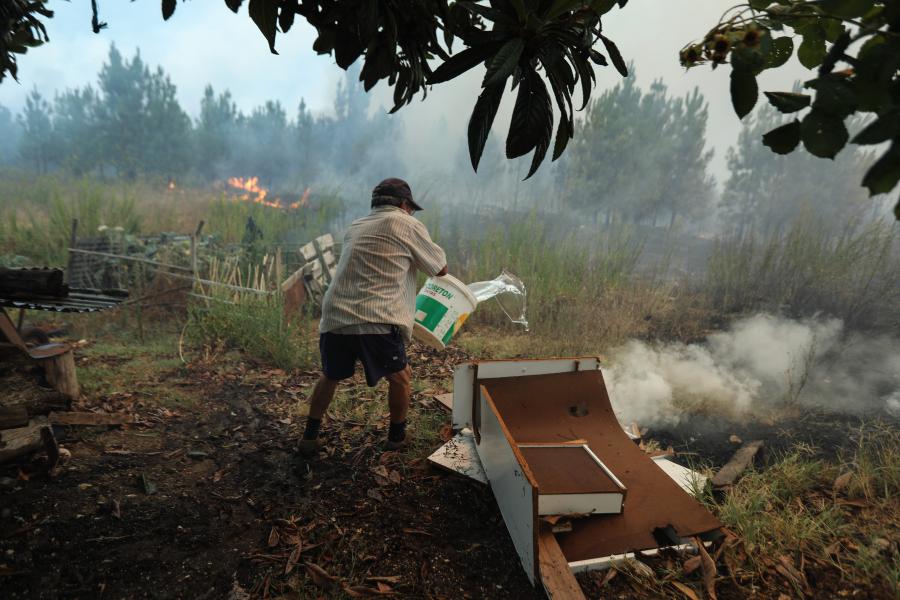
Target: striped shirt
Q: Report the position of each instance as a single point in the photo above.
(375, 281)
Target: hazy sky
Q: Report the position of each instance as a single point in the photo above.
(206, 43)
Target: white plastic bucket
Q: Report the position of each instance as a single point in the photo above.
(442, 306)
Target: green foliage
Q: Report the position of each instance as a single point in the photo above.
(852, 273)
(642, 157)
(398, 39)
(255, 326)
(765, 190)
(21, 28)
(861, 34)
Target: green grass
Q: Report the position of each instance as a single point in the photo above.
(791, 508)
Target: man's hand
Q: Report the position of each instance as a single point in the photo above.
(442, 272)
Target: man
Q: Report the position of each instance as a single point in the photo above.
(369, 309)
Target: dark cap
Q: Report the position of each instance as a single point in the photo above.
(393, 189)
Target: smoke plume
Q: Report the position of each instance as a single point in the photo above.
(759, 363)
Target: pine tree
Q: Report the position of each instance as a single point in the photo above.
(37, 146)
(765, 190)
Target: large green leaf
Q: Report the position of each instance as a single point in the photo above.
(782, 48)
(265, 14)
(783, 140)
(532, 117)
(885, 127)
(834, 95)
(823, 135)
(168, 8)
(481, 120)
(788, 102)
(461, 62)
(744, 92)
(504, 62)
(812, 50)
(883, 176)
(615, 56)
(846, 9)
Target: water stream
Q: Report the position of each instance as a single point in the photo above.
(510, 293)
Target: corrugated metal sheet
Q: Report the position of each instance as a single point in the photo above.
(78, 301)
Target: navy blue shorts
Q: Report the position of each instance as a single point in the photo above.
(380, 354)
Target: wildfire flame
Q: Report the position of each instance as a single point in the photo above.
(253, 192)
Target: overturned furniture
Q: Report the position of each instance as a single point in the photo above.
(318, 263)
(507, 410)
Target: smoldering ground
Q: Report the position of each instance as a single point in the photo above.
(758, 364)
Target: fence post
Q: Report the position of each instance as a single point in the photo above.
(194, 238)
(73, 242)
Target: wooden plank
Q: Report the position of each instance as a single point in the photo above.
(13, 416)
(464, 378)
(445, 400)
(460, 456)
(556, 576)
(511, 481)
(739, 463)
(88, 418)
(22, 440)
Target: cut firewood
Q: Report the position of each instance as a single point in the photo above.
(739, 463)
(22, 440)
(556, 576)
(88, 418)
(13, 416)
(60, 371)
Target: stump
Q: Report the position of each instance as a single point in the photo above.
(60, 371)
(23, 440)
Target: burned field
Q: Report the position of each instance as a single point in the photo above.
(203, 496)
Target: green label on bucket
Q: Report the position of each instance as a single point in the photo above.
(434, 312)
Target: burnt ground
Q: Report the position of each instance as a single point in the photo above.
(208, 500)
(205, 498)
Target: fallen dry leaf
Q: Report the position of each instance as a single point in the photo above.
(293, 558)
(735, 439)
(273, 538)
(319, 575)
(709, 569)
(375, 495)
(686, 590)
(691, 565)
(395, 579)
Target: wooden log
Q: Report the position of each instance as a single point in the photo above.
(39, 401)
(60, 371)
(88, 418)
(739, 463)
(12, 416)
(22, 440)
(556, 576)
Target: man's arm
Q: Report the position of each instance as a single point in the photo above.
(427, 256)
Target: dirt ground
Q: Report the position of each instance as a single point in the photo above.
(205, 498)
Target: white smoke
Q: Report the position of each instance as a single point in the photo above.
(759, 363)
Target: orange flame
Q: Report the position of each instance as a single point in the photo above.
(253, 192)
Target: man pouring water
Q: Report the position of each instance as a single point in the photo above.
(368, 310)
